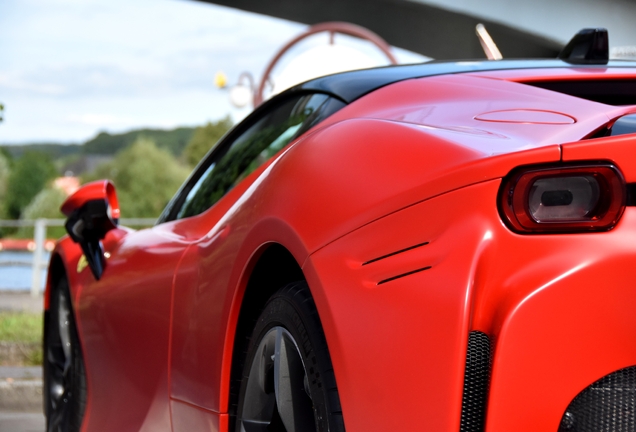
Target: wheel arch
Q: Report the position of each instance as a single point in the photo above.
(273, 267)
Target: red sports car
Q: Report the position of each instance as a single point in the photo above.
(448, 246)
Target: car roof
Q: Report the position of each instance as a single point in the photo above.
(350, 86)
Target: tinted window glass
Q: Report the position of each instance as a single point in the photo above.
(254, 147)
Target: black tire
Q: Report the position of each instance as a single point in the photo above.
(64, 374)
(278, 392)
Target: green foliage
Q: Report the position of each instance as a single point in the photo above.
(23, 330)
(5, 169)
(173, 141)
(146, 178)
(20, 327)
(53, 150)
(6, 154)
(204, 138)
(46, 204)
(29, 176)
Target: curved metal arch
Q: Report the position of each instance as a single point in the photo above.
(332, 28)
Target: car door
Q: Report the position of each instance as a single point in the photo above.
(125, 327)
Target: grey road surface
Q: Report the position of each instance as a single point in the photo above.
(21, 422)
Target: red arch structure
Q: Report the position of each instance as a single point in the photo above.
(332, 28)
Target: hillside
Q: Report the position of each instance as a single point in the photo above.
(173, 140)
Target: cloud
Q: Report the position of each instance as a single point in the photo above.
(71, 68)
(102, 120)
(13, 81)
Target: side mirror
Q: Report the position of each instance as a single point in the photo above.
(92, 211)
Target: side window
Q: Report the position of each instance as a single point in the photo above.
(256, 145)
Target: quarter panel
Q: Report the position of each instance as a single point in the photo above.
(399, 346)
(561, 313)
(356, 171)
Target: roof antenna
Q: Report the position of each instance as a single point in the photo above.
(589, 46)
(487, 44)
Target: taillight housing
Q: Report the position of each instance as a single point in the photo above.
(563, 198)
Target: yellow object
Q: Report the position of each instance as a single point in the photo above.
(82, 264)
(220, 79)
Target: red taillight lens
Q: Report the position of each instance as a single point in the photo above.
(563, 199)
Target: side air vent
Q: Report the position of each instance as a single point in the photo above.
(392, 278)
(394, 253)
(476, 382)
(608, 405)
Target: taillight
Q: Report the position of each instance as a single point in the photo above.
(577, 198)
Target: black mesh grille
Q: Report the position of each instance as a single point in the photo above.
(608, 405)
(476, 380)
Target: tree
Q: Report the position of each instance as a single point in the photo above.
(173, 140)
(145, 177)
(29, 175)
(204, 139)
(46, 204)
(5, 169)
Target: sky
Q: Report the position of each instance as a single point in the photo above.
(72, 68)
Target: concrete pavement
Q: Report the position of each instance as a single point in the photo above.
(20, 387)
(20, 301)
(21, 422)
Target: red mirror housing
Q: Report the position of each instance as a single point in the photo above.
(92, 211)
(100, 189)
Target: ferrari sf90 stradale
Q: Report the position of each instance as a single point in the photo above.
(448, 246)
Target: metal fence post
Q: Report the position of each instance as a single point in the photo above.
(39, 238)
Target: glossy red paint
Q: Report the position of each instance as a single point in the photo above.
(408, 168)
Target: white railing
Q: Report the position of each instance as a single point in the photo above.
(39, 238)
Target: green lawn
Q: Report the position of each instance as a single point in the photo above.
(20, 339)
(20, 327)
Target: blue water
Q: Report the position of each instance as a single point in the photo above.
(18, 277)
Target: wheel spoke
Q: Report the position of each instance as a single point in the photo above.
(255, 426)
(63, 323)
(260, 402)
(58, 417)
(294, 404)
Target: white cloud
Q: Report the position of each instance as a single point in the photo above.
(102, 120)
(71, 68)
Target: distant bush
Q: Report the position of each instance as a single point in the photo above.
(29, 175)
(4, 179)
(174, 141)
(46, 204)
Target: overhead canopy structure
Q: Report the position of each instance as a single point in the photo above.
(413, 25)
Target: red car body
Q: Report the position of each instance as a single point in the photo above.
(389, 210)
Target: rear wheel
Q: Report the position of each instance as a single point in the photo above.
(288, 382)
(64, 376)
